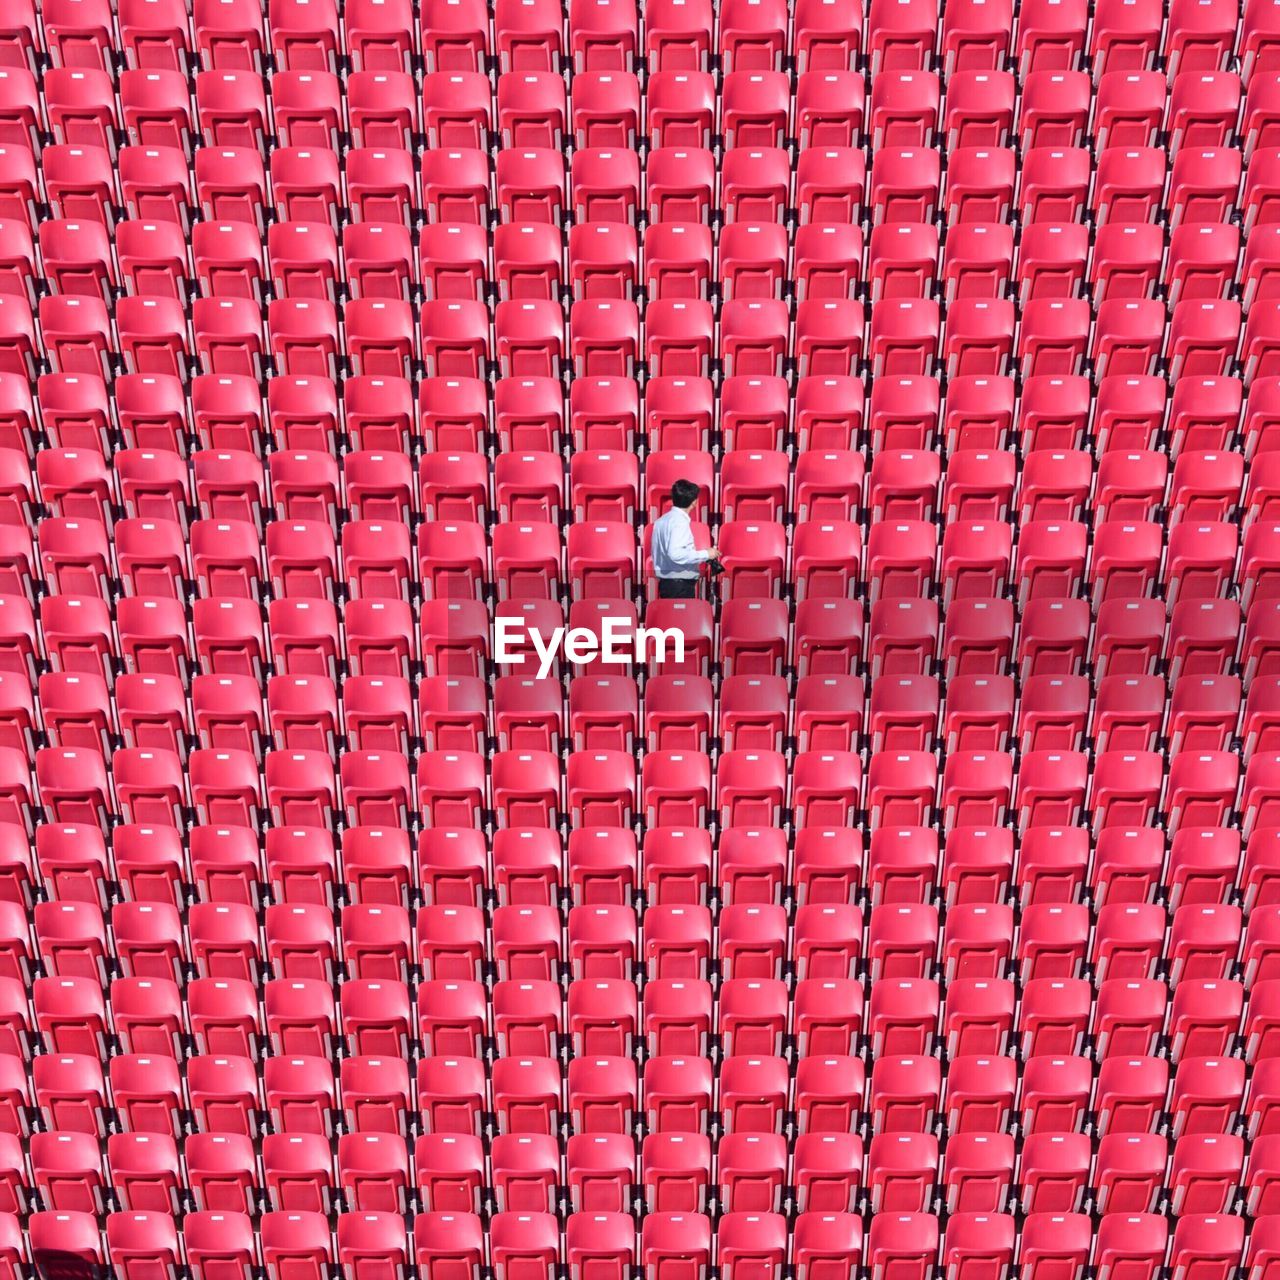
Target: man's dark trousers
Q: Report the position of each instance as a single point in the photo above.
(677, 588)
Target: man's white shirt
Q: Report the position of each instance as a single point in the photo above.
(674, 555)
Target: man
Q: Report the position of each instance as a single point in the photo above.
(676, 561)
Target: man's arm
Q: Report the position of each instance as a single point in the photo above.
(681, 550)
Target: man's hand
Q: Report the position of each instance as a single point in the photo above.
(713, 553)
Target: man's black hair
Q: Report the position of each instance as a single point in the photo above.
(684, 493)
